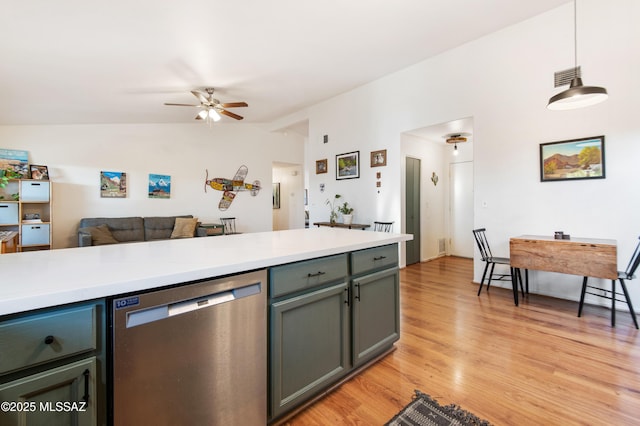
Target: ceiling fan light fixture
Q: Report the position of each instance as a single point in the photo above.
(203, 114)
(213, 114)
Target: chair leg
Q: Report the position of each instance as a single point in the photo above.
(613, 303)
(626, 295)
(493, 265)
(483, 275)
(584, 289)
(526, 277)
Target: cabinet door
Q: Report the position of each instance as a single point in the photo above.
(309, 345)
(376, 314)
(61, 396)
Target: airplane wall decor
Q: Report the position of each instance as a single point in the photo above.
(231, 187)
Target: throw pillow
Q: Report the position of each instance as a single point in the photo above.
(100, 235)
(184, 227)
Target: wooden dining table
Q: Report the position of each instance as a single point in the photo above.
(586, 257)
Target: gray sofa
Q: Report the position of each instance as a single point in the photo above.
(128, 229)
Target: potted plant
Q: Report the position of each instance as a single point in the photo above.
(4, 179)
(332, 203)
(347, 213)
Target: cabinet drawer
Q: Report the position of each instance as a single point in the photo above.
(35, 234)
(374, 258)
(43, 337)
(8, 213)
(305, 275)
(34, 191)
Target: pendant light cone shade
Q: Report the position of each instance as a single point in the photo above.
(577, 96)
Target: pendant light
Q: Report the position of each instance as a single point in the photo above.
(577, 95)
(455, 139)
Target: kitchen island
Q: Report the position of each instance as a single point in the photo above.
(59, 304)
(34, 280)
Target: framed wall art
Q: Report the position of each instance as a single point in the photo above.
(572, 159)
(321, 166)
(113, 184)
(38, 172)
(348, 165)
(379, 158)
(159, 186)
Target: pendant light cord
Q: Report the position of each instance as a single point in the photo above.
(575, 35)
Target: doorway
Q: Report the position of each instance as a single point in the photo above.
(412, 212)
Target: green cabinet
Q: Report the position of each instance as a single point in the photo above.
(52, 366)
(376, 314)
(329, 316)
(59, 396)
(309, 345)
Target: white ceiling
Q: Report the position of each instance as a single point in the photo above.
(117, 61)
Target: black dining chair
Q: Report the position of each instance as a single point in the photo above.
(382, 226)
(491, 260)
(612, 294)
(229, 225)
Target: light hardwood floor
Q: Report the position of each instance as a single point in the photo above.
(536, 364)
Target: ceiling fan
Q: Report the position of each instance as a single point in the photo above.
(210, 107)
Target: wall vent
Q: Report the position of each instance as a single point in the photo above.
(564, 77)
(442, 246)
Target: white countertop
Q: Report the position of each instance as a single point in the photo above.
(33, 280)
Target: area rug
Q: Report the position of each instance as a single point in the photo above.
(425, 411)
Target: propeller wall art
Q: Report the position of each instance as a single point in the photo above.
(211, 109)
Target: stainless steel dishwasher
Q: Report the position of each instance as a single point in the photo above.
(192, 355)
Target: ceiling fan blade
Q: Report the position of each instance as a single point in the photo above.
(230, 114)
(202, 97)
(190, 105)
(234, 105)
(198, 117)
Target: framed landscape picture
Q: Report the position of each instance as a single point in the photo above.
(159, 186)
(348, 165)
(572, 159)
(113, 184)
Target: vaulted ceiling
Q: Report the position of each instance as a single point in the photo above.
(117, 61)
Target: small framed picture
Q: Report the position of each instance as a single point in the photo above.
(321, 166)
(39, 172)
(379, 158)
(348, 165)
(572, 159)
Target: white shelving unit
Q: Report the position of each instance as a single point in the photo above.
(29, 215)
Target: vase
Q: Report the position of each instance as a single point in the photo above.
(347, 218)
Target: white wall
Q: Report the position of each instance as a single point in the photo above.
(504, 81)
(75, 156)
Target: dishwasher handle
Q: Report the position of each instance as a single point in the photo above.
(160, 312)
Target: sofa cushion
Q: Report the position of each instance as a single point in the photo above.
(100, 235)
(161, 227)
(184, 227)
(123, 229)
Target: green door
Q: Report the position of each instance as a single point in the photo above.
(412, 211)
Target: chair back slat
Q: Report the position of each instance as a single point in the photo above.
(382, 226)
(634, 262)
(483, 243)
